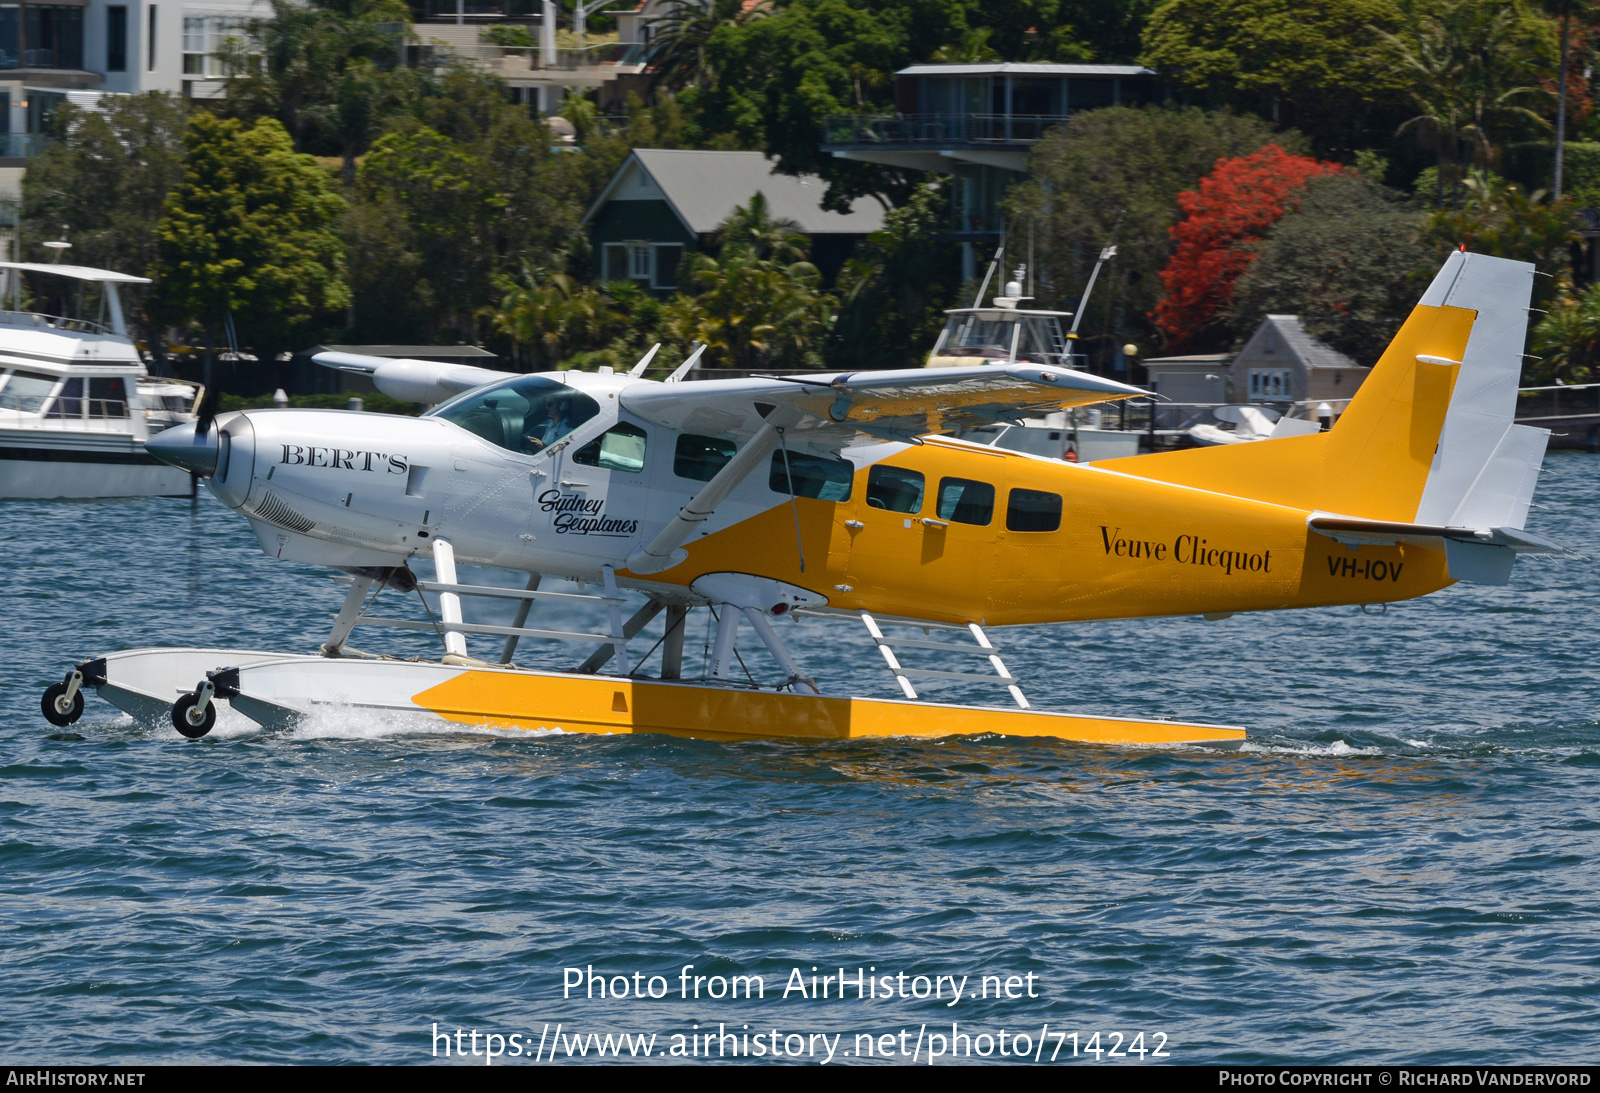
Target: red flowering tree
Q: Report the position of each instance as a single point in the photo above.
(1236, 205)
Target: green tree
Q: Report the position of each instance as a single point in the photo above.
(1499, 218)
(248, 235)
(549, 315)
(469, 189)
(326, 69)
(781, 78)
(1113, 176)
(753, 229)
(1568, 339)
(105, 185)
(1308, 63)
(894, 290)
(677, 54)
(1346, 260)
(1471, 71)
(754, 307)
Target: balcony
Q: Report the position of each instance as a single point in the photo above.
(878, 130)
(938, 142)
(24, 145)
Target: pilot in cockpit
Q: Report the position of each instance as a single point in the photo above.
(538, 435)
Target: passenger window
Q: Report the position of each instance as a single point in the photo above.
(700, 457)
(26, 391)
(107, 398)
(619, 448)
(1033, 510)
(69, 403)
(966, 501)
(526, 415)
(895, 489)
(813, 476)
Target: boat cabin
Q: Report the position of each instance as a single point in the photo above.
(1003, 333)
(61, 373)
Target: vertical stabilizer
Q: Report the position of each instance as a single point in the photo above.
(1428, 439)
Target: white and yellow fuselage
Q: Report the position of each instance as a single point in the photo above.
(1423, 480)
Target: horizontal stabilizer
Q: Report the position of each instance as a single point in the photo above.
(1479, 555)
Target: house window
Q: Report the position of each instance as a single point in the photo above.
(1269, 383)
(667, 256)
(203, 41)
(52, 36)
(639, 261)
(615, 265)
(150, 41)
(117, 38)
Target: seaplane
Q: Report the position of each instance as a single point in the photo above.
(844, 497)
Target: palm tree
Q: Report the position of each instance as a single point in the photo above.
(753, 228)
(1470, 66)
(973, 49)
(1569, 338)
(676, 55)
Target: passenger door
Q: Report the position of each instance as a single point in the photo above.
(926, 538)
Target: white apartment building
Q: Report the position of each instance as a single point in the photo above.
(79, 48)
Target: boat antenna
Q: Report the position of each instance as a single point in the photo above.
(1108, 253)
(999, 252)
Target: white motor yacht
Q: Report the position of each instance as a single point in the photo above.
(76, 403)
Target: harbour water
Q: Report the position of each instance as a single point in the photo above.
(1400, 865)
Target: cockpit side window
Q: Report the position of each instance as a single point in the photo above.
(619, 448)
(524, 415)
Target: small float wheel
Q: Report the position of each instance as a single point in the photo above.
(188, 722)
(57, 710)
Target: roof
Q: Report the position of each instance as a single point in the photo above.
(1022, 69)
(81, 273)
(1292, 332)
(1191, 360)
(703, 188)
(408, 352)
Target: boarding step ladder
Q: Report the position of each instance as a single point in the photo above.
(984, 648)
(452, 630)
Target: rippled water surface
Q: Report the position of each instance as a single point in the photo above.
(1400, 865)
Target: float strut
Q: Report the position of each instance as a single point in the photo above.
(348, 615)
(444, 564)
(639, 620)
(722, 651)
(769, 637)
(672, 644)
(510, 649)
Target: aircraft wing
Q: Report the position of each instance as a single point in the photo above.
(412, 380)
(829, 410)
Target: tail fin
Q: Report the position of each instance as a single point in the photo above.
(1429, 437)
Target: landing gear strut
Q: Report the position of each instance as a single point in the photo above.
(62, 703)
(195, 714)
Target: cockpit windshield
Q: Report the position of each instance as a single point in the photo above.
(524, 415)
